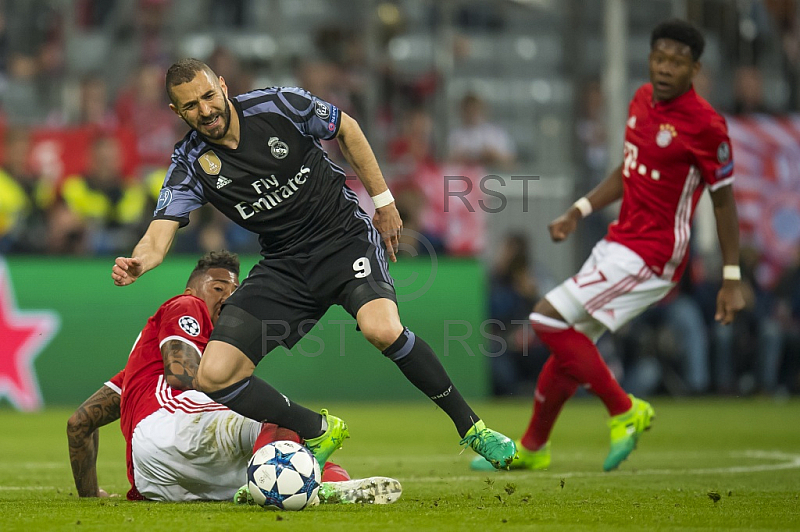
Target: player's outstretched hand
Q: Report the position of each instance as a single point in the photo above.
(730, 300)
(388, 223)
(564, 225)
(104, 494)
(126, 270)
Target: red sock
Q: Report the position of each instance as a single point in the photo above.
(334, 473)
(553, 389)
(271, 432)
(579, 358)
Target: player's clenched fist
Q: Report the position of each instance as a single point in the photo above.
(564, 225)
(126, 270)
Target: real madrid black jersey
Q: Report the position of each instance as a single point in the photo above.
(278, 183)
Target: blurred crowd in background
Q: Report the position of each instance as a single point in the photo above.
(515, 90)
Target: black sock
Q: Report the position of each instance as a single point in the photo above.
(254, 398)
(422, 368)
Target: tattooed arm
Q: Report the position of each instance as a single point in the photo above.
(100, 409)
(180, 364)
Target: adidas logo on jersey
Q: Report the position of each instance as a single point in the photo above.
(222, 181)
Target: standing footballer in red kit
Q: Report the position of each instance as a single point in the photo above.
(676, 146)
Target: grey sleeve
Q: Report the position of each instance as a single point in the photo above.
(311, 115)
(180, 194)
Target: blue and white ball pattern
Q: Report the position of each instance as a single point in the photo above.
(284, 475)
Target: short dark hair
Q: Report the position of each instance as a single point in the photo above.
(215, 259)
(184, 71)
(681, 31)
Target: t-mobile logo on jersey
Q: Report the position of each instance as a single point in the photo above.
(271, 194)
(630, 154)
(630, 163)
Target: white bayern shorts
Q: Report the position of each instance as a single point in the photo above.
(192, 449)
(613, 286)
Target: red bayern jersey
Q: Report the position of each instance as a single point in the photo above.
(673, 150)
(141, 384)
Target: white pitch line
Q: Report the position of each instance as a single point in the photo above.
(382, 459)
(48, 465)
(458, 457)
(15, 488)
(788, 461)
(792, 461)
(33, 465)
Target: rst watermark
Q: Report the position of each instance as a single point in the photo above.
(461, 194)
(462, 333)
(460, 337)
(462, 190)
(461, 187)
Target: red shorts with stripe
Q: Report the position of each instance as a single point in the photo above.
(613, 286)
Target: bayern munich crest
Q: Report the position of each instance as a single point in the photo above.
(665, 134)
(189, 325)
(278, 148)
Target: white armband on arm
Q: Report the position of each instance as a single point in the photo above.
(383, 199)
(732, 273)
(584, 206)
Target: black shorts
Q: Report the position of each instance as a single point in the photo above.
(283, 298)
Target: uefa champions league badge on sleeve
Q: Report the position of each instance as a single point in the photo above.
(164, 199)
(723, 152)
(321, 109)
(189, 325)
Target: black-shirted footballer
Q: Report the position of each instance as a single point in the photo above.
(278, 183)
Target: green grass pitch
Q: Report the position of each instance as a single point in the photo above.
(708, 464)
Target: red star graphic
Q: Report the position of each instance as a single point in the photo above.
(23, 335)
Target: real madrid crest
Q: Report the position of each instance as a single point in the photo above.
(278, 148)
(665, 134)
(210, 163)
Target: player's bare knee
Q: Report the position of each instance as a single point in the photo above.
(382, 336)
(380, 323)
(222, 365)
(211, 378)
(75, 424)
(202, 383)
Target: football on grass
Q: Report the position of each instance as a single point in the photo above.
(283, 475)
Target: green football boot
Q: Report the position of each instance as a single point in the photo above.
(373, 490)
(323, 446)
(528, 460)
(496, 448)
(243, 496)
(625, 431)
